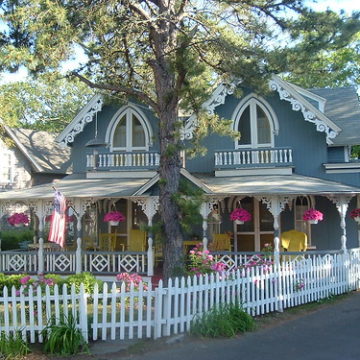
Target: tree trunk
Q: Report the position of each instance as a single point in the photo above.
(169, 171)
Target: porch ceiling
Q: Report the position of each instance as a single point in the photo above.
(275, 184)
(79, 188)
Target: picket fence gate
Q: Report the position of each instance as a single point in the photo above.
(136, 312)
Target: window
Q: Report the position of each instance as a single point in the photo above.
(6, 167)
(130, 132)
(255, 124)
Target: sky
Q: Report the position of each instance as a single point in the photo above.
(320, 5)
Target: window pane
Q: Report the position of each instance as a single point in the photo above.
(119, 139)
(138, 134)
(263, 127)
(244, 128)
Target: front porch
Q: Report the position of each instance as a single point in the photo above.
(276, 205)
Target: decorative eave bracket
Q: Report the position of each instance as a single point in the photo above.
(217, 98)
(309, 112)
(85, 116)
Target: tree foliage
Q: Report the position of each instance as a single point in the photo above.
(42, 104)
(169, 54)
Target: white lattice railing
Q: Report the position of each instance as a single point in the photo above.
(123, 160)
(247, 157)
(19, 261)
(95, 262)
(100, 262)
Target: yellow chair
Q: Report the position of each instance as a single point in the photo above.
(137, 240)
(221, 242)
(88, 243)
(294, 240)
(108, 241)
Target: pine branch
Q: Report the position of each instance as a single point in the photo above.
(117, 89)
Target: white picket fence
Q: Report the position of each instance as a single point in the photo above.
(120, 313)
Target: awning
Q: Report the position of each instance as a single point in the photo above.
(275, 184)
(79, 188)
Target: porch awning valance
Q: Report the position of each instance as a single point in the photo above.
(79, 188)
(275, 184)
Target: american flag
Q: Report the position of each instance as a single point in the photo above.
(58, 218)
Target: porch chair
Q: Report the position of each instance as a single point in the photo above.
(88, 243)
(137, 241)
(108, 241)
(221, 242)
(294, 240)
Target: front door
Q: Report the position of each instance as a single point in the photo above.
(252, 235)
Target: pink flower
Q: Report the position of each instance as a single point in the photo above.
(18, 218)
(313, 214)
(25, 280)
(240, 214)
(114, 216)
(192, 252)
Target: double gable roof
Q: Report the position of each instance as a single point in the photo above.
(336, 111)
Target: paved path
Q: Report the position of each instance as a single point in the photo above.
(331, 333)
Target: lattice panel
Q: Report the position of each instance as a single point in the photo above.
(231, 265)
(99, 262)
(62, 263)
(17, 263)
(129, 263)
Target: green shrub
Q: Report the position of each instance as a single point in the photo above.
(9, 281)
(12, 346)
(224, 321)
(10, 239)
(64, 338)
(86, 278)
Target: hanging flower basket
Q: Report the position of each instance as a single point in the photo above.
(313, 222)
(355, 214)
(239, 222)
(313, 216)
(239, 216)
(114, 218)
(18, 219)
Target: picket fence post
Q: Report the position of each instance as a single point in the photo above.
(158, 310)
(83, 313)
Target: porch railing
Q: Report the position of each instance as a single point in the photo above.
(253, 157)
(122, 161)
(97, 262)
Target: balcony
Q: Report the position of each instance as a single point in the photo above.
(254, 158)
(123, 161)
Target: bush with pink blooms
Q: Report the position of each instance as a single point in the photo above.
(241, 215)
(114, 216)
(18, 218)
(202, 262)
(313, 214)
(127, 279)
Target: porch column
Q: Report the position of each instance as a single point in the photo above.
(205, 210)
(79, 206)
(41, 215)
(342, 204)
(149, 206)
(276, 204)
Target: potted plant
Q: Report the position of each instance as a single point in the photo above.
(18, 219)
(355, 214)
(114, 217)
(240, 216)
(313, 216)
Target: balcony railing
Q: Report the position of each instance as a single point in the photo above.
(253, 158)
(133, 160)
